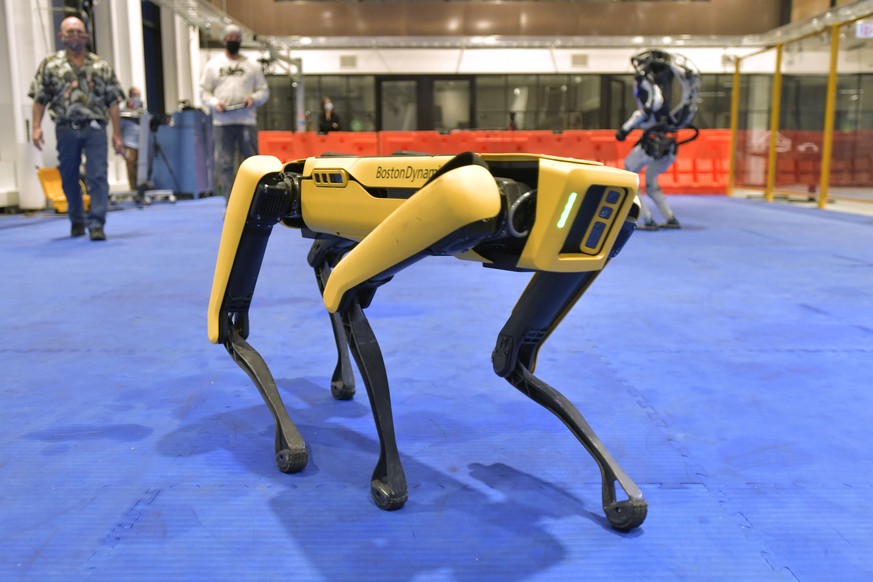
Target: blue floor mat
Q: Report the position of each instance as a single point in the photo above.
(726, 366)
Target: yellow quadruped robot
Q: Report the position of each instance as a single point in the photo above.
(370, 217)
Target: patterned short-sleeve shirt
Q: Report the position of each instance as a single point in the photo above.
(72, 93)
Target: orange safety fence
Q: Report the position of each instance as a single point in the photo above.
(798, 159)
(701, 166)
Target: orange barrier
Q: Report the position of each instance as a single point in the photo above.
(701, 166)
(798, 161)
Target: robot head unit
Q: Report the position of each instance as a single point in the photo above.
(667, 85)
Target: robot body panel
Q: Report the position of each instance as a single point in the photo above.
(350, 213)
(464, 196)
(242, 193)
(561, 197)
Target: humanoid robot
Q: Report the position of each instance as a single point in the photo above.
(660, 114)
(370, 217)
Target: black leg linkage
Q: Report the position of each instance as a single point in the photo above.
(324, 254)
(291, 455)
(388, 484)
(623, 515)
(545, 301)
(342, 382)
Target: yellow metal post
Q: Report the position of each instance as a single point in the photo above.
(735, 120)
(830, 107)
(775, 103)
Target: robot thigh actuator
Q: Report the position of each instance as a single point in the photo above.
(370, 217)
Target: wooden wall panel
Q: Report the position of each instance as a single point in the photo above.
(713, 17)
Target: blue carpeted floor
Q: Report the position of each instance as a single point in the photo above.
(727, 366)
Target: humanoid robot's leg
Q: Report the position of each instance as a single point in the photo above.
(653, 188)
(388, 484)
(539, 310)
(323, 255)
(291, 455)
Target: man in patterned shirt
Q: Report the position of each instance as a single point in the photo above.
(80, 91)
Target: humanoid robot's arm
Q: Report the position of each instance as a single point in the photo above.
(510, 211)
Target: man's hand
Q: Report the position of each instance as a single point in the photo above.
(118, 144)
(219, 106)
(250, 102)
(37, 138)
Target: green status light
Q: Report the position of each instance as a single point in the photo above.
(567, 208)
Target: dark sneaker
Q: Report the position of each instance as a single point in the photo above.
(672, 223)
(647, 226)
(97, 233)
(141, 199)
(77, 229)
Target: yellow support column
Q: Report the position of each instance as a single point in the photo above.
(830, 107)
(735, 117)
(775, 105)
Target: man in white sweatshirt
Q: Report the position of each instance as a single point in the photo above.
(233, 87)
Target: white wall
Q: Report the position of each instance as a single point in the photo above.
(180, 47)
(28, 38)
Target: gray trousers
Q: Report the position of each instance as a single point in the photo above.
(231, 140)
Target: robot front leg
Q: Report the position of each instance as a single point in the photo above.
(291, 455)
(548, 297)
(262, 196)
(623, 515)
(388, 483)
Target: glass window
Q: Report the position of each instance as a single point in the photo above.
(714, 109)
(621, 103)
(551, 106)
(551, 102)
(803, 102)
(492, 103)
(584, 107)
(359, 103)
(451, 104)
(399, 105)
(521, 96)
(865, 102)
(278, 112)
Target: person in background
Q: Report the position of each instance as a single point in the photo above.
(233, 87)
(82, 94)
(512, 125)
(328, 120)
(130, 117)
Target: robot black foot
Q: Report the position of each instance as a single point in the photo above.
(342, 391)
(626, 515)
(385, 498)
(292, 460)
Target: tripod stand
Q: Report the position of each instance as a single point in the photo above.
(146, 190)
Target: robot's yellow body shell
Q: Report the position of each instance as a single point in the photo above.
(395, 207)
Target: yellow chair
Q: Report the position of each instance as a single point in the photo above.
(50, 179)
